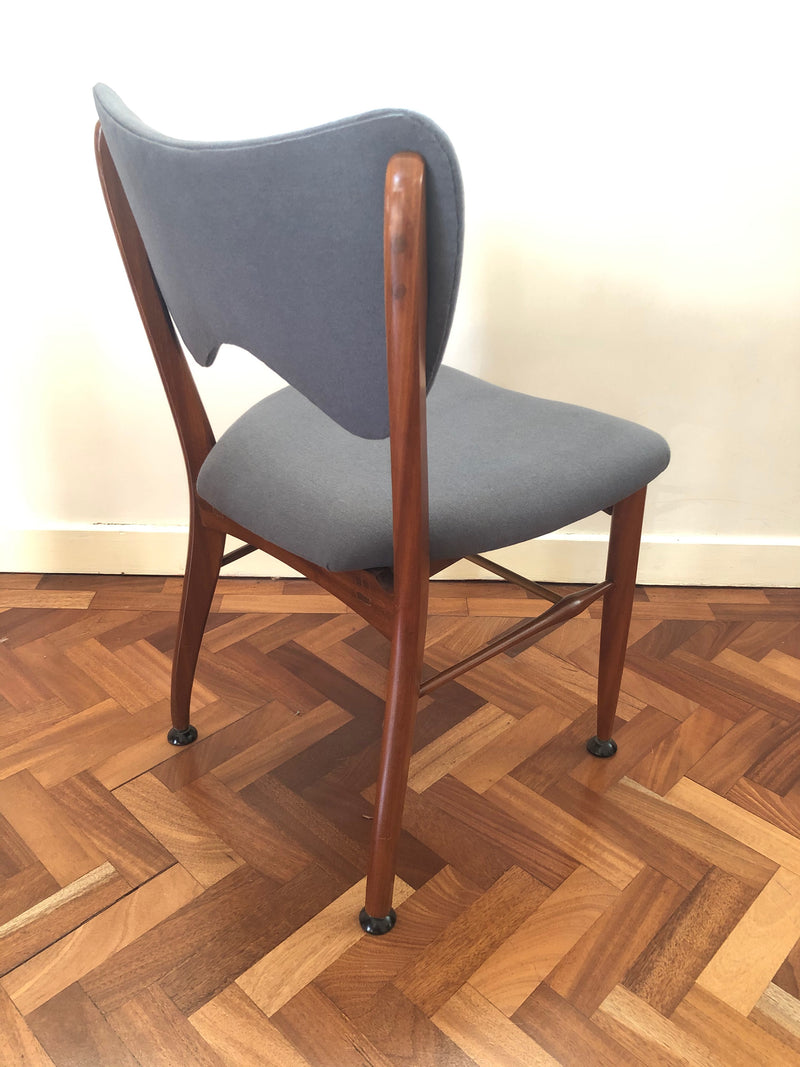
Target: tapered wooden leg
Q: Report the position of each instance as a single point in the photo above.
(202, 570)
(623, 558)
(405, 667)
(405, 293)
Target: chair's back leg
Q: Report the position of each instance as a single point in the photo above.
(406, 287)
(194, 430)
(202, 570)
(402, 695)
(623, 558)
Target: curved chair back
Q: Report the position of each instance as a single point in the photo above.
(276, 245)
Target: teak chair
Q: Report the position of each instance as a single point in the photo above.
(298, 250)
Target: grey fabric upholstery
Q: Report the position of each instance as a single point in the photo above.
(503, 468)
(276, 245)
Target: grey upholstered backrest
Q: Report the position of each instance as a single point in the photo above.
(276, 245)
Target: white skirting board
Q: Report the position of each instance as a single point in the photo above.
(683, 561)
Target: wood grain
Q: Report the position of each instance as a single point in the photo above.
(607, 951)
(52, 917)
(19, 1045)
(457, 745)
(294, 963)
(75, 1031)
(334, 1038)
(69, 959)
(172, 822)
(642, 912)
(740, 970)
(741, 825)
(646, 1033)
(529, 954)
(157, 1033)
(485, 1033)
(241, 1035)
(778, 1013)
(47, 829)
(669, 966)
(567, 1034)
(442, 967)
(737, 1041)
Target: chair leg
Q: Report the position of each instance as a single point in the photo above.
(405, 667)
(623, 558)
(202, 570)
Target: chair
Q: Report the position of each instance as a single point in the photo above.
(333, 255)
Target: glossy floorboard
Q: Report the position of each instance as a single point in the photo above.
(166, 907)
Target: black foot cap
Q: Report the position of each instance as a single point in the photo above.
(182, 737)
(371, 925)
(601, 749)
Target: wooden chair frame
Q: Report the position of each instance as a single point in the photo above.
(395, 602)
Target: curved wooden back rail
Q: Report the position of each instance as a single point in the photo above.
(405, 287)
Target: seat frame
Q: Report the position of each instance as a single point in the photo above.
(394, 600)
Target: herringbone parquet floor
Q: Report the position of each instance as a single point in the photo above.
(198, 907)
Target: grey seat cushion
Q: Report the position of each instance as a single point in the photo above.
(503, 468)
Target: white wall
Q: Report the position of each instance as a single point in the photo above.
(632, 175)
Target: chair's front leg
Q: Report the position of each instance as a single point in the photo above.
(202, 570)
(623, 558)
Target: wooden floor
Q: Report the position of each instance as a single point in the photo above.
(197, 907)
